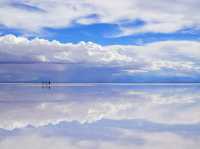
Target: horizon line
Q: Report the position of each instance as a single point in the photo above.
(95, 83)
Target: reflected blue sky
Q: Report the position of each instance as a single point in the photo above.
(100, 116)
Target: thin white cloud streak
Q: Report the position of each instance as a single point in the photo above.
(163, 16)
(182, 57)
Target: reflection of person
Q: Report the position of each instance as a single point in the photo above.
(46, 84)
(49, 84)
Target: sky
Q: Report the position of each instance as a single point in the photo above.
(100, 41)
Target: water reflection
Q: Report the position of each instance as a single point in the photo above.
(100, 116)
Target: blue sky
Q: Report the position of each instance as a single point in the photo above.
(123, 41)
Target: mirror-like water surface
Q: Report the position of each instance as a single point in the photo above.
(100, 116)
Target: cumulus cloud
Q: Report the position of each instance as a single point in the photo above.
(179, 57)
(159, 16)
(40, 50)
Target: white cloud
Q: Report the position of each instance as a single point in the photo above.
(159, 16)
(182, 57)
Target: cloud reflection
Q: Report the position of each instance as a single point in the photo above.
(108, 116)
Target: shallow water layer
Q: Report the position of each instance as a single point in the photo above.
(100, 116)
